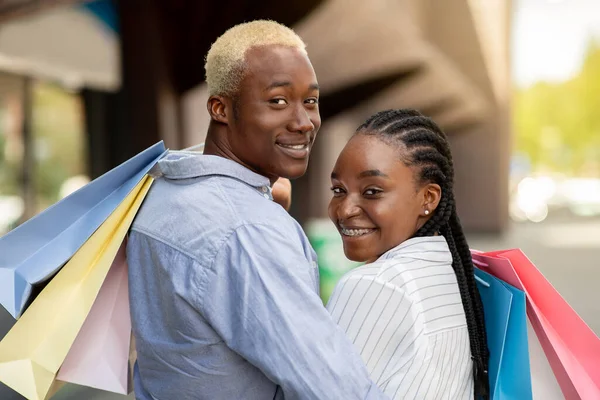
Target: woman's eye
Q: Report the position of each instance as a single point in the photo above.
(372, 192)
(312, 101)
(279, 102)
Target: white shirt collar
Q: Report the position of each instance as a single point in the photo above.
(431, 248)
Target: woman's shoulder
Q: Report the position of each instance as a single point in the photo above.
(365, 288)
(365, 271)
(371, 277)
(402, 267)
(404, 264)
(363, 285)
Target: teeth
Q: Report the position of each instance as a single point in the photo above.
(355, 232)
(294, 146)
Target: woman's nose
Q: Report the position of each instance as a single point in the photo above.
(348, 209)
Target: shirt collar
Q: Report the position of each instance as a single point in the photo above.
(428, 248)
(187, 165)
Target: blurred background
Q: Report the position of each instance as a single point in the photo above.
(515, 84)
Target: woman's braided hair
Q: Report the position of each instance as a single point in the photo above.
(427, 150)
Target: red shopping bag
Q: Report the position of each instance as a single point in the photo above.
(571, 347)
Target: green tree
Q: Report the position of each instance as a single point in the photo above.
(558, 125)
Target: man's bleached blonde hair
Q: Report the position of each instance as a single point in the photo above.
(225, 60)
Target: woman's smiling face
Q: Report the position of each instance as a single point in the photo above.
(376, 202)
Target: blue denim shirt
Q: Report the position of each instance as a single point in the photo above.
(224, 294)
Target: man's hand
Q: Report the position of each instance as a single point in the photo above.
(282, 193)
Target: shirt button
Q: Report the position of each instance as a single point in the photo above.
(266, 196)
(264, 189)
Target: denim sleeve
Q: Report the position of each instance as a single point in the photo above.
(259, 298)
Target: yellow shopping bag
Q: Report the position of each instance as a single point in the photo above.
(35, 348)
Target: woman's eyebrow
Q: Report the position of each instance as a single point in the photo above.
(372, 172)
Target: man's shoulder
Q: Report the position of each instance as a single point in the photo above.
(202, 212)
(184, 199)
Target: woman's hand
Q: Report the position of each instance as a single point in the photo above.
(282, 193)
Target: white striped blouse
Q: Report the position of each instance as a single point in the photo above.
(405, 316)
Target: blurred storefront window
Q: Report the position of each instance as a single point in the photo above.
(42, 147)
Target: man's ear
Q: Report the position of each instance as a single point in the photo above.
(432, 194)
(220, 109)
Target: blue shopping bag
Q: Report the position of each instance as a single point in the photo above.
(506, 326)
(36, 250)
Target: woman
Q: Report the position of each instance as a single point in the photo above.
(413, 311)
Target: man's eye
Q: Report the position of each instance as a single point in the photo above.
(312, 101)
(336, 190)
(279, 102)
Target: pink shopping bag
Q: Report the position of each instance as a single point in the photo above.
(99, 357)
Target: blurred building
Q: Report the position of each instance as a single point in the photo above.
(138, 66)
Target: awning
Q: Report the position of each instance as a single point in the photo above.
(73, 44)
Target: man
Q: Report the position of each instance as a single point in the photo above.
(223, 282)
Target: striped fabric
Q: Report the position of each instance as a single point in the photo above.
(405, 316)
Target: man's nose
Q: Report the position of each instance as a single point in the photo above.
(301, 122)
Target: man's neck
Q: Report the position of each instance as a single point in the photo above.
(214, 145)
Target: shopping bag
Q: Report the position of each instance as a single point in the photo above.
(506, 326)
(99, 357)
(32, 352)
(543, 382)
(570, 346)
(36, 250)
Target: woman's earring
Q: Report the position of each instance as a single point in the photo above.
(426, 212)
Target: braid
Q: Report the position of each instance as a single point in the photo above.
(383, 118)
(465, 254)
(427, 149)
